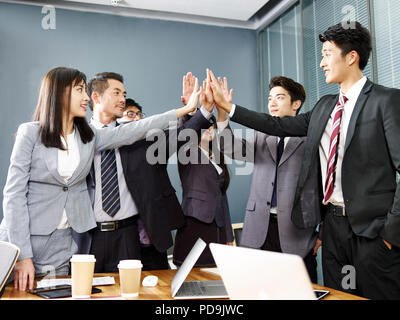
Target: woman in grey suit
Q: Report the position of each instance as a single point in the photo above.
(46, 195)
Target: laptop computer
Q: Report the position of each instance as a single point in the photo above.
(9, 254)
(251, 274)
(181, 289)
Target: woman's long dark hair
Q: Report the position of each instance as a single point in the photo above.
(54, 103)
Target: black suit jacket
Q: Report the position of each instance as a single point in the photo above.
(150, 187)
(371, 158)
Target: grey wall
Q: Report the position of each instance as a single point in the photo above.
(152, 55)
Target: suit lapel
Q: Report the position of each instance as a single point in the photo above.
(362, 99)
(203, 159)
(84, 153)
(124, 154)
(272, 143)
(50, 156)
(291, 146)
(324, 118)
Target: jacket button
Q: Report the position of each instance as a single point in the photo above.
(65, 188)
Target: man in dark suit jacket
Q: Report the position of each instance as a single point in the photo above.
(277, 164)
(357, 150)
(148, 185)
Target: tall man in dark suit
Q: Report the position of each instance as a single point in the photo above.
(353, 137)
(144, 190)
(277, 164)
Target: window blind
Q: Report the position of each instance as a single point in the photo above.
(387, 41)
(319, 15)
(281, 52)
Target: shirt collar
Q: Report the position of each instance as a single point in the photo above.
(99, 125)
(355, 90)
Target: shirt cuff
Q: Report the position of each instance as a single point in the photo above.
(232, 111)
(205, 113)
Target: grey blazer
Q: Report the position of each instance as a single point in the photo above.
(262, 151)
(35, 194)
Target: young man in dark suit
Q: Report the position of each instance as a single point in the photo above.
(353, 138)
(277, 164)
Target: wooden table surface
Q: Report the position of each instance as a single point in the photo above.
(163, 289)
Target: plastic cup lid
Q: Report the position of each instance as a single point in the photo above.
(130, 264)
(83, 258)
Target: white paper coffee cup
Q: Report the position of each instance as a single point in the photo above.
(82, 269)
(129, 277)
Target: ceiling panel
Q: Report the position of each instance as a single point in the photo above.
(241, 10)
(246, 14)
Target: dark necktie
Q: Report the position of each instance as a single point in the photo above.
(109, 183)
(279, 152)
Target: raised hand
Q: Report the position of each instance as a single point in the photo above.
(228, 94)
(192, 102)
(218, 92)
(188, 85)
(206, 97)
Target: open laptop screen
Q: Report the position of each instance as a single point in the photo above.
(187, 265)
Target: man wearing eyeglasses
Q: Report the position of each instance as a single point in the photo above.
(132, 112)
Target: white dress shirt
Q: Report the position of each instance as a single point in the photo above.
(352, 96)
(68, 161)
(128, 207)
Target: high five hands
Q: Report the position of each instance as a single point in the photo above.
(221, 94)
(214, 92)
(190, 95)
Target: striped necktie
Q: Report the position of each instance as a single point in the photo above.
(109, 183)
(333, 148)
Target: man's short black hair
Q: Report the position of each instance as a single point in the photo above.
(295, 89)
(99, 83)
(132, 103)
(349, 36)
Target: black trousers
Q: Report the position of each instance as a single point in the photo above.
(109, 247)
(152, 259)
(187, 236)
(375, 267)
(272, 243)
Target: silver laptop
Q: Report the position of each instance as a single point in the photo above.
(262, 275)
(181, 289)
(9, 254)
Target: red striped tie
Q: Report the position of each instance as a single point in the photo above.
(333, 148)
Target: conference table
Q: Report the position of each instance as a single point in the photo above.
(160, 292)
